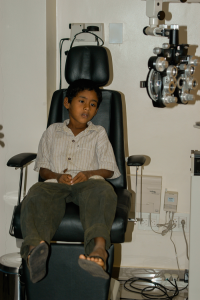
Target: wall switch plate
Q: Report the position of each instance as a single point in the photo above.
(145, 225)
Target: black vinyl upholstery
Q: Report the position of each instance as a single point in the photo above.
(87, 62)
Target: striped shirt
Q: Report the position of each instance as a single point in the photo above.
(59, 149)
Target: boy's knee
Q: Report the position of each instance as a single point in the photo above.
(104, 187)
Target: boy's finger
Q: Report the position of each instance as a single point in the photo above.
(65, 170)
(78, 178)
(65, 178)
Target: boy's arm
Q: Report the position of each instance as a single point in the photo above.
(61, 178)
(85, 175)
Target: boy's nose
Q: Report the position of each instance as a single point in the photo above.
(86, 106)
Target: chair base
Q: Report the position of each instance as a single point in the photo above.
(65, 280)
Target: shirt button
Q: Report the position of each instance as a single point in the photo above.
(69, 158)
(73, 141)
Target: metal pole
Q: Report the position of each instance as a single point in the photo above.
(20, 185)
(136, 192)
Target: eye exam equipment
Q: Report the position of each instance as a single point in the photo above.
(171, 72)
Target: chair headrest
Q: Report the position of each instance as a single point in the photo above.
(87, 62)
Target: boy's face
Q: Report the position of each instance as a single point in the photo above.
(83, 107)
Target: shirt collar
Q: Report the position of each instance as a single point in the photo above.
(63, 127)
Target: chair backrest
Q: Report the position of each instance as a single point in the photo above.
(91, 62)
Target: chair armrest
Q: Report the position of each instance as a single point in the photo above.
(21, 159)
(136, 160)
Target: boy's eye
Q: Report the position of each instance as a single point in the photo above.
(82, 101)
(92, 104)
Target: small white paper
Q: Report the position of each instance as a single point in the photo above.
(116, 33)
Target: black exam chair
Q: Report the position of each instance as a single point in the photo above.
(65, 279)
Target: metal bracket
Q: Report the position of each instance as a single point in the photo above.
(143, 84)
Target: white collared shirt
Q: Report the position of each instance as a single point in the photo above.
(59, 149)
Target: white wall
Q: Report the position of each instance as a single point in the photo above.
(51, 49)
(23, 85)
(165, 135)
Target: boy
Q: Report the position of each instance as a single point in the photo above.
(73, 158)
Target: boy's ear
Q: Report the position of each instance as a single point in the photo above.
(66, 103)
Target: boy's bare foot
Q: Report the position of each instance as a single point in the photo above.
(95, 256)
(31, 247)
(36, 261)
(95, 263)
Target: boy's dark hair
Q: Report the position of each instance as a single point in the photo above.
(82, 85)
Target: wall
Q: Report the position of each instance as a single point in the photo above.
(165, 135)
(51, 49)
(23, 103)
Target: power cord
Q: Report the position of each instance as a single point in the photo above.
(165, 293)
(168, 227)
(66, 52)
(183, 226)
(87, 31)
(175, 254)
(60, 48)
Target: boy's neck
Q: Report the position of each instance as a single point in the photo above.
(76, 129)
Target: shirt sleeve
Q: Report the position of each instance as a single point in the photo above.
(43, 155)
(105, 154)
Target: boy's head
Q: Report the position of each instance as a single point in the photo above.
(82, 85)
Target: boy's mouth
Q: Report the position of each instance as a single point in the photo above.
(84, 115)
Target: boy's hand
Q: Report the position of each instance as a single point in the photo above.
(64, 178)
(81, 177)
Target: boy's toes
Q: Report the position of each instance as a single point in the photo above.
(81, 256)
(98, 261)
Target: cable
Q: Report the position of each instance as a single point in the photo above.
(67, 39)
(166, 217)
(169, 227)
(152, 227)
(86, 31)
(175, 254)
(183, 225)
(165, 293)
(60, 48)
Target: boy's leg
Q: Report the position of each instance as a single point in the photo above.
(42, 211)
(97, 201)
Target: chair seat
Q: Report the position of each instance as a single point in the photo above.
(71, 221)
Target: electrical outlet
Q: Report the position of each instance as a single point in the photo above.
(145, 224)
(154, 222)
(178, 217)
(176, 221)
